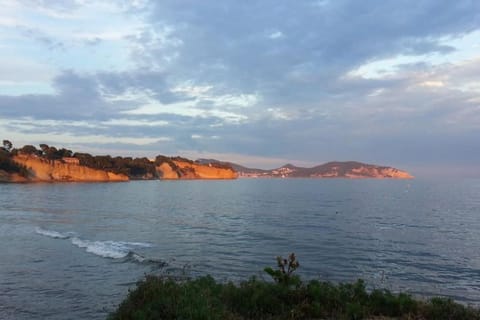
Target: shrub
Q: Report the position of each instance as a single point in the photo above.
(286, 268)
(287, 297)
(8, 165)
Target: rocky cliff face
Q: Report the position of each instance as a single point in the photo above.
(183, 169)
(206, 171)
(41, 170)
(11, 177)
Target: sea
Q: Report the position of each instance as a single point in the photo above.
(74, 250)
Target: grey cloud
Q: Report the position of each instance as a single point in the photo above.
(226, 44)
(77, 98)
(81, 96)
(303, 73)
(139, 80)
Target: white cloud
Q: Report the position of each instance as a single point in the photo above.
(199, 136)
(30, 123)
(225, 106)
(276, 35)
(376, 92)
(200, 93)
(134, 123)
(466, 49)
(432, 84)
(194, 91)
(22, 138)
(110, 35)
(281, 114)
(71, 28)
(185, 108)
(20, 76)
(17, 69)
(8, 22)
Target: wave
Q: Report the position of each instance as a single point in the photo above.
(106, 249)
(138, 258)
(53, 234)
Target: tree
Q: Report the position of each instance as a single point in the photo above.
(44, 147)
(7, 145)
(64, 153)
(29, 149)
(52, 154)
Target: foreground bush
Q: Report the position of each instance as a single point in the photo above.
(158, 297)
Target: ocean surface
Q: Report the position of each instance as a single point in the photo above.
(72, 251)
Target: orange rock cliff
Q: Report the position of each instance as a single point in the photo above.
(42, 170)
(183, 169)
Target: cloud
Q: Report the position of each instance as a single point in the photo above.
(221, 42)
(152, 82)
(310, 81)
(76, 97)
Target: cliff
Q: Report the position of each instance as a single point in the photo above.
(179, 168)
(11, 177)
(21, 167)
(42, 170)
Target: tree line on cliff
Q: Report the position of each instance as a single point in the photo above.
(134, 168)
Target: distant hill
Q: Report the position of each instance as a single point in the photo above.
(335, 169)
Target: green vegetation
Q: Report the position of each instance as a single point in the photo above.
(134, 168)
(10, 166)
(6, 162)
(286, 297)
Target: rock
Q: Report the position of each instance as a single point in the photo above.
(42, 170)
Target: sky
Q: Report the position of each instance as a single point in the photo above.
(260, 83)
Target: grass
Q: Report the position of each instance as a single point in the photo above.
(286, 297)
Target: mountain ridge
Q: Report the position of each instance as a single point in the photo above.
(49, 164)
(332, 169)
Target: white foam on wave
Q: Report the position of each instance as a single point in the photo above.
(137, 257)
(108, 249)
(53, 234)
(135, 244)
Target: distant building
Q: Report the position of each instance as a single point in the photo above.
(71, 160)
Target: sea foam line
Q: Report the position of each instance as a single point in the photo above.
(109, 249)
(53, 234)
(106, 249)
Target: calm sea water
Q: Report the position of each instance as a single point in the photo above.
(72, 251)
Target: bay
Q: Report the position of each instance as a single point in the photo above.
(72, 251)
